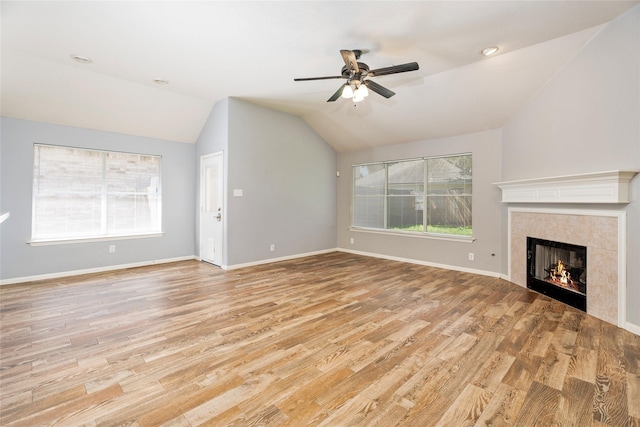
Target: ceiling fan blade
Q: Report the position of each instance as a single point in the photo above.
(350, 60)
(317, 78)
(402, 68)
(380, 90)
(338, 93)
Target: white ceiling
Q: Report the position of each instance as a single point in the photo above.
(209, 50)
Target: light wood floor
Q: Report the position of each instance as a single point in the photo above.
(330, 340)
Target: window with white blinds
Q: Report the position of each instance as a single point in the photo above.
(425, 195)
(82, 194)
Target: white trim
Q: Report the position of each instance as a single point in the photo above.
(93, 239)
(4, 216)
(201, 177)
(622, 246)
(414, 234)
(598, 187)
(426, 263)
(271, 260)
(93, 270)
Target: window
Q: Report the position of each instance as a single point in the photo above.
(80, 194)
(427, 195)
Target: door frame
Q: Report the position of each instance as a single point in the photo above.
(203, 158)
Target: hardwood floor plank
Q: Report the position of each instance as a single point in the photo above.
(503, 407)
(553, 370)
(466, 408)
(335, 339)
(539, 407)
(576, 403)
(633, 394)
(610, 401)
(583, 364)
(493, 371)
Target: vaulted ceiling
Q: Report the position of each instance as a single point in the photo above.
(209, 50)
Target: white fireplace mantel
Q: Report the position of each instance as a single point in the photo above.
(598, 187)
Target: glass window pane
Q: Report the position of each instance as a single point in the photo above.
(368, 211)
(405, 214)
(80, 193)
(369, 180)
(369, 190)
(406, 177)
(449, 189)
(405, 187)
(67, 216)
(394, 195)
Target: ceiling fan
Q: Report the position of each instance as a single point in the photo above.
(357, 75)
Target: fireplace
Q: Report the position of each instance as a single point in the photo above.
(578, 216)
(558, 270)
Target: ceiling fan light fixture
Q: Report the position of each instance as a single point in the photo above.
(362, 91)
(347, 92)
(488, 51)
(358, 95)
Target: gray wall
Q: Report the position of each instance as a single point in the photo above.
(22, 260)
(287, 174)
(485, 147)
(587, 119)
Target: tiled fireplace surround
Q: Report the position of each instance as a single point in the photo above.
(601, 229)
(602, 232)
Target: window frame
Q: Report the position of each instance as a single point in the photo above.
(104, 235)
(424, 196)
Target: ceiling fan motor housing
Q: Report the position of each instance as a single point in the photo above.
(362, 73)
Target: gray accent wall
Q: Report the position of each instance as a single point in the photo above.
(287, 175)
(20, 260)
(485, 148)
(587, 119)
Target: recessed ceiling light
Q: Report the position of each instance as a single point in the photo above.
(82, 59)
(160, 81)
(488, 51)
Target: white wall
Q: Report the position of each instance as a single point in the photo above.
(20, 260)
(485, 147)
(287, 175)
(587, 119)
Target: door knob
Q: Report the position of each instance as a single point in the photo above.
(219, 217)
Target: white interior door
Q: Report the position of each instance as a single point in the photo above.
(211, 208)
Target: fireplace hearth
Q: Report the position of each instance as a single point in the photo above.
(558, 270)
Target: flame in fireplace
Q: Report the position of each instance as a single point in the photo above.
(562, 277)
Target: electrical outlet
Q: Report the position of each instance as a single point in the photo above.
(112, 248)
(471, 256)
(353, 240)
(273, 247)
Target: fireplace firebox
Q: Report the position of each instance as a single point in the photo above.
(558, 270)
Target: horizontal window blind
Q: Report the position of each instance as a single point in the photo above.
(427, 195)
(80, 193)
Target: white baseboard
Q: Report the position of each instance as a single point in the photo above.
(92, 270)
(284, 258)
(429, 264)
(634, 329)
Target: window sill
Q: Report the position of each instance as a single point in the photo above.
(433, 236)
(92, 239)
